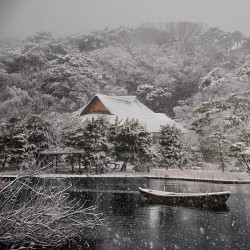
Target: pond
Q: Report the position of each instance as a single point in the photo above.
(136, 224)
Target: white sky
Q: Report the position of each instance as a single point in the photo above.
(25, 17)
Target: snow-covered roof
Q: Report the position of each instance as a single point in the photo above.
(128, 107)
(122, 104)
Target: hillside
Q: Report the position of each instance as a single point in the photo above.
(160, 65)
(196, 75)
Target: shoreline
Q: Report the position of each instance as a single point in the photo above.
(171, 174)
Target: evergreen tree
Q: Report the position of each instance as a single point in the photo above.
(22, 138)
(91, 137)
(73, 137)
(171, 146)
(15, 145)
(96, 145)
(40, 132)
(132, 144)
(220, 142)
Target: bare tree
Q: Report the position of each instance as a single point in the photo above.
(41, 216)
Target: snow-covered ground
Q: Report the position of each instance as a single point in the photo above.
(205, 175)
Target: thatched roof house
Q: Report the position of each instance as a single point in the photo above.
(125, 107)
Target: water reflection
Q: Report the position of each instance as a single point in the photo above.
(136, 224)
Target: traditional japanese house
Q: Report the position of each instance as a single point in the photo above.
(126, 107)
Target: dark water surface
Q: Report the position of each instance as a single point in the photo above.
(135, 224)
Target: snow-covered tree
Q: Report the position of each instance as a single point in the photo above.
(132, 143)
(72, 137)
(91, 137)
(22, 138)
(15, 145)
(171, 146)
(71, 80)
(96, 146)
(39, 130)
(220, 113)
(156, 98)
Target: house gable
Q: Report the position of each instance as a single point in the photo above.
(95, 107)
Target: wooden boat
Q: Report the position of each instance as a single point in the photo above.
(202, 200)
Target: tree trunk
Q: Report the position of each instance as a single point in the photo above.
(79, 163)
(221, 158)
(72, 165)
(4, 162)
(56, 163)
(248, 167)
(124, 166)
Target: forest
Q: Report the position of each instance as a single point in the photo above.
(197, 75)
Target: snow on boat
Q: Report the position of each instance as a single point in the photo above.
(202, 200)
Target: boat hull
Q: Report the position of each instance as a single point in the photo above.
(201, 200)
